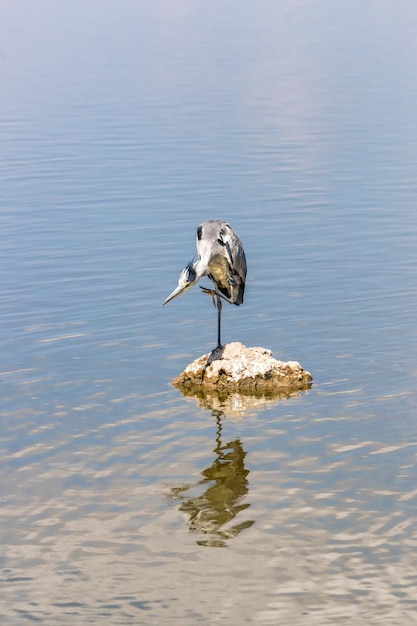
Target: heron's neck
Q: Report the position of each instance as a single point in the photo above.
(200, 269)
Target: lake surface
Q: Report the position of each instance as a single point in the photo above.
(123, 126)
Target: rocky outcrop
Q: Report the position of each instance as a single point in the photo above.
(237, 368)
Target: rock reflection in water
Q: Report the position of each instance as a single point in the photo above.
(225, 484)
(238, 404)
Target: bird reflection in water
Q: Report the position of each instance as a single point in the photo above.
(225, 483)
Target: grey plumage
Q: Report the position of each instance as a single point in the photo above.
(222, 259)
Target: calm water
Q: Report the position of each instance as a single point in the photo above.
(123, 126)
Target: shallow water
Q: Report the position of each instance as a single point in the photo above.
(122, 501)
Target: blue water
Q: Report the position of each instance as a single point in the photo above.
(123, 126)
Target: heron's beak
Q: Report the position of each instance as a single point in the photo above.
(177, 292)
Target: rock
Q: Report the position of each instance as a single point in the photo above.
(237, 368)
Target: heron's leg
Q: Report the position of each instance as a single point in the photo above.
(213, 292)
(209, 292)
(219, 318)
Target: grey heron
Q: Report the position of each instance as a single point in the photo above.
(222, 259)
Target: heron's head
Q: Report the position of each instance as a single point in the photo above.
(187, 279)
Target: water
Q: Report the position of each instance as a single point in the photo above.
(122, 128)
